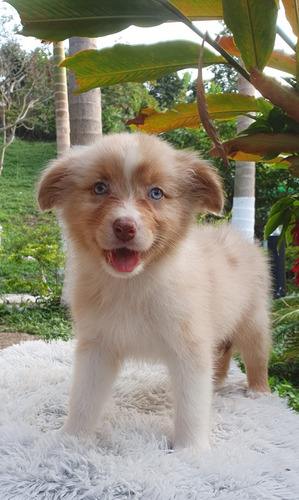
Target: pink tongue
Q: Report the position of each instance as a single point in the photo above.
(124, 260)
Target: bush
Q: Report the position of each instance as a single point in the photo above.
(284, 362)
(46, 318)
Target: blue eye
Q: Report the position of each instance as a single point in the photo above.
(100, 188)
(156, 194)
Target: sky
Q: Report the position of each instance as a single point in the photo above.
(170, 31)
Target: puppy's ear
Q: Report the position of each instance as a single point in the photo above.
(54, 184)
(204, 185)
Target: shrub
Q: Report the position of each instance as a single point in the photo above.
(284, 362)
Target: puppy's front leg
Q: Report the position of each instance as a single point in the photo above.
(94, 373)
(192, 399)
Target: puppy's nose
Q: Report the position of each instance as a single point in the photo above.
(124, 229)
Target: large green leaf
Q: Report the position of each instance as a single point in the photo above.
(57, 20)
(135, 63)
(278, 60)
(282, 213)
(221, 107)
(261, 144)
(279, 162)
(253, 24)
(291, 11)
(283, 62)
(204, 10)
(280, 95)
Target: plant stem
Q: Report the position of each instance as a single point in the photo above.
(181, 17)
(285, 37)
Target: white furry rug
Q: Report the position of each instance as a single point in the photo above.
(255, 451)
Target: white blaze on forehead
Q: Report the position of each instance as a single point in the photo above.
(132, 157)
(127, 210)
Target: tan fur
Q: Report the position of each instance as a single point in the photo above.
(196, 294)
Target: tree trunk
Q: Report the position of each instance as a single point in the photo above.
(243, 213)
(85, 125)
(62, 119)
(61, 101)
(85, 109)
(3, 104)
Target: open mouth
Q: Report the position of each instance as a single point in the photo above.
(122, 259)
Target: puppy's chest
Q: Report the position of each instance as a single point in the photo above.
(137, 320)
(127, 310)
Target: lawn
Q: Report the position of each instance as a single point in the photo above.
(31, 255)
(23, 163)
(26, 233)
(32, 258)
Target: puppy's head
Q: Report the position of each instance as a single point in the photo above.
(129, 199)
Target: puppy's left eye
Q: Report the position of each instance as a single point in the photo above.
(156, 194)
(100, 188)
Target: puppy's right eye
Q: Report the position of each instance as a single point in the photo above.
(156, 194)
(100, 188)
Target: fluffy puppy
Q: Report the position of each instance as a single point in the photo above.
(147, 283)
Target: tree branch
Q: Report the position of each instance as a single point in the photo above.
(22, 116)
(23, 124)
(285, 38)
(181, 17)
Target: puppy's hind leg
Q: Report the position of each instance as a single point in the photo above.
(255, 347)
(94, 373)
(222, 361)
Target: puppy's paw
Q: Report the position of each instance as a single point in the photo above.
(195, 448)
(65, 430)
(75, 429)
(254, 394)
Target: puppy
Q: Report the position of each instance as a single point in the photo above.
(147, 283)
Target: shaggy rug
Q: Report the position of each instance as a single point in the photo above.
(255, 452)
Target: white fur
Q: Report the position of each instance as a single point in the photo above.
(132, 159)
(205, 291)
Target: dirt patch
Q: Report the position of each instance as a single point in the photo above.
(7, 339)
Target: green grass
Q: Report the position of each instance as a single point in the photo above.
(31, 257)
(47, 319)
(23, 164)
(26, 232)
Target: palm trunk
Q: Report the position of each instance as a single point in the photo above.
(85, 109)
(85, 125)
(62, 119)
(61, 101)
